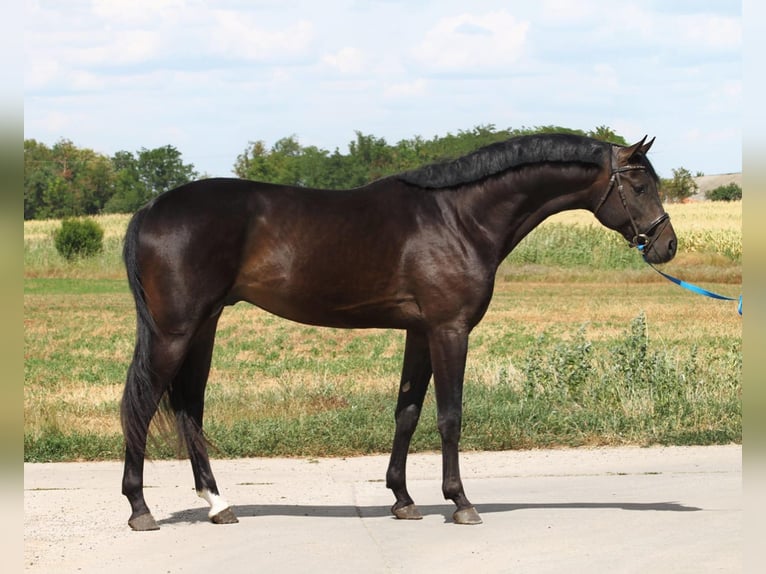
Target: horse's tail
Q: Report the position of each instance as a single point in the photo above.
(139, 399)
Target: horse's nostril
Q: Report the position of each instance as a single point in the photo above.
(672, 246)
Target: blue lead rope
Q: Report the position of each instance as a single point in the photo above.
(694, 288)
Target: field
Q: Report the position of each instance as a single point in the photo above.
(583, 344)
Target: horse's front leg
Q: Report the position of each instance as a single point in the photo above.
(416, 372)
(449, 347)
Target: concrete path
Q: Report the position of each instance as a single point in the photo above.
(613, 510)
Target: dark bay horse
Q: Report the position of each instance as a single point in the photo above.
(416, 251)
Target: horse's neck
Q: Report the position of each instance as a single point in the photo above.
(508, 208)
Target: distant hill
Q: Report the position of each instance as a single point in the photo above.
(709, 182)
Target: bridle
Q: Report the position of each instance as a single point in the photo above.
(647, 238)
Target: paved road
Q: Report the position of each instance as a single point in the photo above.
(613, 510)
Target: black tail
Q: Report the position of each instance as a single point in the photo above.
(139, 400)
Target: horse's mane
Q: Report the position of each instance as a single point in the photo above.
(502, 156)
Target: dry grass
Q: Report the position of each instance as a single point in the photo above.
(78, 339)
(41, 230)
(693, 216)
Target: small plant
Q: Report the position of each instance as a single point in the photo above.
(729, 192)
(78, 238)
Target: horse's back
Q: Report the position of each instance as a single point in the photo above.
(314, 256)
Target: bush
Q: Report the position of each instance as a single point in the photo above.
(78, 238)
(730, 192)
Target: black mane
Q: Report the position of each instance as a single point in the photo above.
(502, 156)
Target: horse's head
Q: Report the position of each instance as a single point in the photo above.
(631, 203)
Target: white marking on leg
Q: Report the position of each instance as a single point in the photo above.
(216, 502)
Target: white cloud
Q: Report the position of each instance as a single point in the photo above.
(696, 136)
(471, 42)
(39, 72)
(226, 71)
(131, 12)
(57, 122)
(567, 12)
(415, 88)
(238, 36)
(725, 97)
(641, 24)
(121, 47)
(85, 81)
(696, 32)
(710, 31)
(347, 60)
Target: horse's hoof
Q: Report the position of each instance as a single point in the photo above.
(143, 523)
(226, 516)
(467, 516)
(409, 512)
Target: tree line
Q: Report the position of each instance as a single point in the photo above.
(64, 180)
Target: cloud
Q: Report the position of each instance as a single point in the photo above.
(567, 12)
(236, 70)
(238, 36)
(725, 97)
(120, 47)
(712, 136)
(66, 47)
(415, 88)
(628, 23)
(471, 42)
(132, 12)
(710, 31)
(688, 31)
(347, 60)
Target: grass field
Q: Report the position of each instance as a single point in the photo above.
(583, 344)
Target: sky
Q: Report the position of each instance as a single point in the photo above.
(210, 77)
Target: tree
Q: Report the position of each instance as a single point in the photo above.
(606, 134)
(64, 180)
(681, 186)
(38, 175)
(253, 163)
(139, 178)
(161, 169)
(369, 157)
(729, 192)
(313, 167)
(285, 161)
(281, 164)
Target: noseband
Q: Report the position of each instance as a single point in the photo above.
(644, 239)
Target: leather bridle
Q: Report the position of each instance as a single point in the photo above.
(646, 238)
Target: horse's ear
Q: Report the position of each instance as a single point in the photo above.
(647, 146)
(627, 153)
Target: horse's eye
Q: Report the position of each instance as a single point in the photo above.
(641, 188)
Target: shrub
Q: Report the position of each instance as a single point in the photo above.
(78, 238)
(729, 192)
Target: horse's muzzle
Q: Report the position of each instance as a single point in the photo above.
(661, 247)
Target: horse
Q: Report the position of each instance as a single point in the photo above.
(417, 251)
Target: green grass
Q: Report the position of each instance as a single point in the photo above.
(580, 346)
(278, 388)
(68, 286)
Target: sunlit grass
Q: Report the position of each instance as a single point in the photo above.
(547, 366)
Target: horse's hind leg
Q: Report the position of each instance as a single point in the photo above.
(154, 363)
(133, 475)
(187, 397)
(416, 372)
